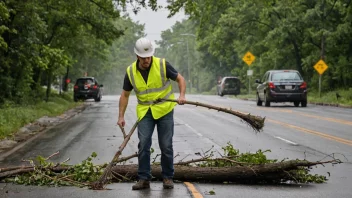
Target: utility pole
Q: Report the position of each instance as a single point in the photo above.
(188, 64)
(189, 69)
(322, 54)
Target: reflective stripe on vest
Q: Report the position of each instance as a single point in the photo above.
(157, 87)
(153, 102)
(165, 83)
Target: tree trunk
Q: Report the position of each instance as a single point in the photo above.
(37, 78)
(273, 172)
(278, 172)
(298, 56)
(48, 84)
(65, 84)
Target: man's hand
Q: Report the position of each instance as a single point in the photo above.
(121, 122)
(181, 100)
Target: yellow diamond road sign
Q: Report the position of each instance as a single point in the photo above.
(320, 67)
(248, 58)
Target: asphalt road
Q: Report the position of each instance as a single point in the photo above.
(312, 133)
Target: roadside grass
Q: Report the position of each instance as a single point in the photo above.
(340, 97)
(12, 118)
(344, 97)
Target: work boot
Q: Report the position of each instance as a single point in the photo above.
(141, 184)
(168, 184)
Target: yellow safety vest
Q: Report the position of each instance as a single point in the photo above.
(157, 87)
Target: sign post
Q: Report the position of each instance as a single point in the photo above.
(249, 74)
(320, 66)
(249, 58)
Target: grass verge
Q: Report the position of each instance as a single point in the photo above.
(337, 97)
(13, 118)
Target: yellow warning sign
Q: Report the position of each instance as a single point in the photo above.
(248, 58)
(320, 67)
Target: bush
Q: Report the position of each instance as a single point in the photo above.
(340, 96)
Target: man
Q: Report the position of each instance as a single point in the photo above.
(150, 76)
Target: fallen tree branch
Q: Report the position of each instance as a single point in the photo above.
(209, 160)
(232, 166)
(265, 173)
(191, 161)
(27, 169)
(123, 131)
(13, 168)
(242, 174)
(256, 122)
(123, 159)
(52, 155)
(63, 162)
(104, 179)
(233, 161)
(16, 171)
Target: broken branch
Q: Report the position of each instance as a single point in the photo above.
(103, 180)
(272, 172)
(256, 122)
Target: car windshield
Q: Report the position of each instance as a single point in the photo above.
(286, 76)
(231, 82)
(81, 82)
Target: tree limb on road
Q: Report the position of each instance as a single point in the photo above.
(256, 122)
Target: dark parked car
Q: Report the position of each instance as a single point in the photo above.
(282, 86)
(229, 86)
(87, 88)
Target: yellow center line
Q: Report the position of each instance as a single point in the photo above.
(326, 118)
(309, 115)
(274, 109)
(330, 137)
(193, 190)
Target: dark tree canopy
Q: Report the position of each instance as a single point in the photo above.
(43, 42)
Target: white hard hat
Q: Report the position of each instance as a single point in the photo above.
(144, 48)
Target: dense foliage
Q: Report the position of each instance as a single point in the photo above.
(281, 34)
(43, 42)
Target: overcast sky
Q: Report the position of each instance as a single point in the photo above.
(156, 22)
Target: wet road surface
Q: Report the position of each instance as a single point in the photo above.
(312, 133)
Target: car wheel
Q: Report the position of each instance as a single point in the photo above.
(304, 103)
(296, 103)
(97, 99)
(259, 102)
(267, 103)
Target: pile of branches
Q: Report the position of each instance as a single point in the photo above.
(231, 166)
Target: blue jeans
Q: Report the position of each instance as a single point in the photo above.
(165, 128)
